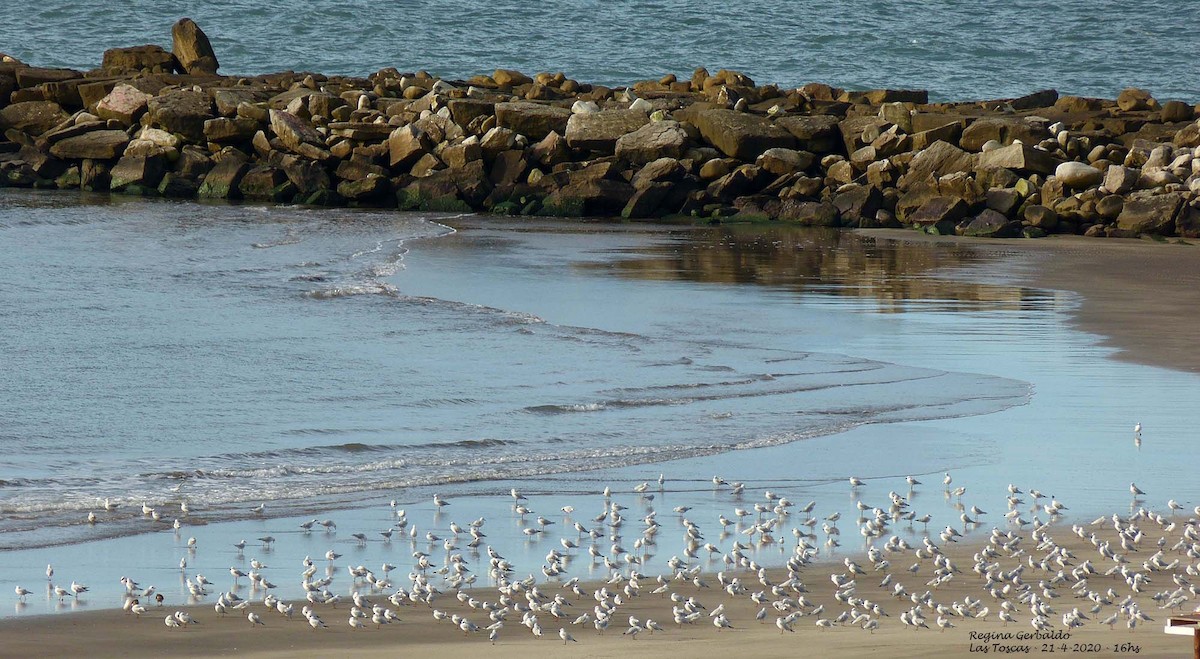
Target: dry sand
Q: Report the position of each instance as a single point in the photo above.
(1140, 295)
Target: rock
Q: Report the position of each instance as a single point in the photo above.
(137, 59)
(589, 197)
(459, 155)
(356, 169)
(426, 165)
(1078, 175)
(657, 139)
(1153, 215)
(93, 175)
(808, 213)
(137, 174)
(646, 200)
(939, 159)
(32, 117)
(508, 167)
(297, 135)
(308, 176)
(1020, 158)
(1041, 217)
(1133, 99)
(508, 78)
(584, 107)
(940, 212)
(227, 100)
(817, 133)
(1174, 111)
(193, 162)
(740, 135)
(406, 145)
(125, 103)
(266, 183)
(1110, 206)
(1003, 200)
(225, 130)
(1119, 179)
(183, 112)
(191, 47)
(533, 120)
(466, 110)
(222, 181)
(94, 145)
(1187, 222)
(43, 165)
(784, 161)
(950, 133)
(599, 131)
(177, 186)
(1043, 99)
(663, 170)
(370, 190)
(367, 132)
(1004, 131)
(858, 204)
(991, 224)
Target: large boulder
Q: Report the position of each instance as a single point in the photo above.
(125, 103)
(817, 133)
(191, 47)
(657, 139)
(298, 136)
(222, 181)
(1078, 175)
(939, 159)
(183, 111)
(1151, 215)
(406, 145)
(1020, 158)
(137, 59)
(599, 131)
(740, 135)
(991, 224)
(266, 183)
(94, 145)
(224, 130)
(32, 117)
(1004, 131)
(137, 174)
(533, 120)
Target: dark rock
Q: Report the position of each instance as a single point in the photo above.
(859, 203)
(1133, 99)
(372, 189)
(356, 169)
(740, 135)
(508, 167)
(1110, 206)
(33, 76)
(32, 117)
(940, 212)
(508, 78)
(193, 162)
(1043, 99)
(784, 161)
(192, 48)
(182, 111)
(646, 200)
(662, 170)
(1041, 217)
(949, 132)
(177, 186)
(1003, 200)
(95, 145)
(992, 224)
(93, 175)
(533, 120)
(137, 174)
(228, 99)
(1173, 111)
(466, 110)
(458, 155)
(42, 164)
(1187, 221)
(1188, 136)
(266, 183)
(595, 197)
(1153, 215)
(309, 177)
(222, 181)
(599, 131)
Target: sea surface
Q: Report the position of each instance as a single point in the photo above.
(269, 366)
(957, 50)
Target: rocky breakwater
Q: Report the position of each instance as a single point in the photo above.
(715, 147)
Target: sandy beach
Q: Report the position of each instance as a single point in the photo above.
(1121, 283)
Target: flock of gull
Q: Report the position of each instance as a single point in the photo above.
(766, 560)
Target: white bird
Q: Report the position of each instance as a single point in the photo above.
(171, 622)
(566, 638)
(22, 592)
(255, 619)
(1135, 490)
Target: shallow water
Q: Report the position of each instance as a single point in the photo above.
(327, 362)
(957, 50)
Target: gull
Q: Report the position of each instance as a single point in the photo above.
(911, 481)
(1137, 429)
(109, 506)
(237, 574)
(267, 540)
(356, 622)
(22, 592)
(172, 623)
(255, 619)
(517, 496)
(91, 518)
(78, 588)
(439, 501)
(62, 592)
(855, 481)
(566, 638)
(240, 545)
(947, 480)
(49, 572)
(332, 555)
(258, 510)
(1135, 490)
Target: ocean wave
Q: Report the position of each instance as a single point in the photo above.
(566, 409)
